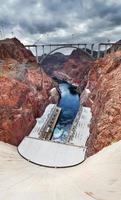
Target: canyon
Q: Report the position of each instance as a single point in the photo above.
(73, 68)
(99, 82)
(26, 90)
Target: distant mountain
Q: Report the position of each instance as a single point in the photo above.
(80, 55)
(75, 68)
(115, 47)
(53, 61)
(57, 60)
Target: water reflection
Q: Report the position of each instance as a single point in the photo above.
(69, 104)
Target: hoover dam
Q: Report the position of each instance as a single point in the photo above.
(59, 148)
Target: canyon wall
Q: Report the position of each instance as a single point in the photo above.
(13, 48)
(75, 69)
(100, 82)
(104, 83)
(25, 90)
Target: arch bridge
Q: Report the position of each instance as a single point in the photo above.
(48, 49)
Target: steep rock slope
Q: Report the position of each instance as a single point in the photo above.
(24, 91)
(76, 68)
(98, 178)
(104, 82)
(53, 61)
(12, 48)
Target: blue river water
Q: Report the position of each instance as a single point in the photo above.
(69, 103)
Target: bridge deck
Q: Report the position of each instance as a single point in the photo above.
(106, 46)
(61, 44)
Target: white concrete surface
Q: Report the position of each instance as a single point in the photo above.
(51, 154)
(80, 129)
(98, 178)
(41, 121)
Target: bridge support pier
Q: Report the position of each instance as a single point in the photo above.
(85, 47)
(44, 54)
(43, 51)
(98, 56)
(105, 49)
(92, 47)
(36, 50)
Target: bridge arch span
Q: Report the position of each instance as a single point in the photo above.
(63, 47)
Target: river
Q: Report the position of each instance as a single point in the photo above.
(69, 103)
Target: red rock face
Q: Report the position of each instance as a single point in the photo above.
(24, 93)
(13, 115)
(12, 48)
(21, 103)
(76, 68)
(104, 82)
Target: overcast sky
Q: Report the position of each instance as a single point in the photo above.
(61, 20)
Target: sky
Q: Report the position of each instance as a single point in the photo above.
(58, 21)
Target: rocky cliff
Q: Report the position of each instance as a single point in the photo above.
(104, 83)
(76, 68)
(25, 90)
(53, 61)
(13, 48)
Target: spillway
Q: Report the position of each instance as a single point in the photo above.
(39, 149)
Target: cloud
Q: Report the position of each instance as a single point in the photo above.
(60, 20)
(35, 27)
